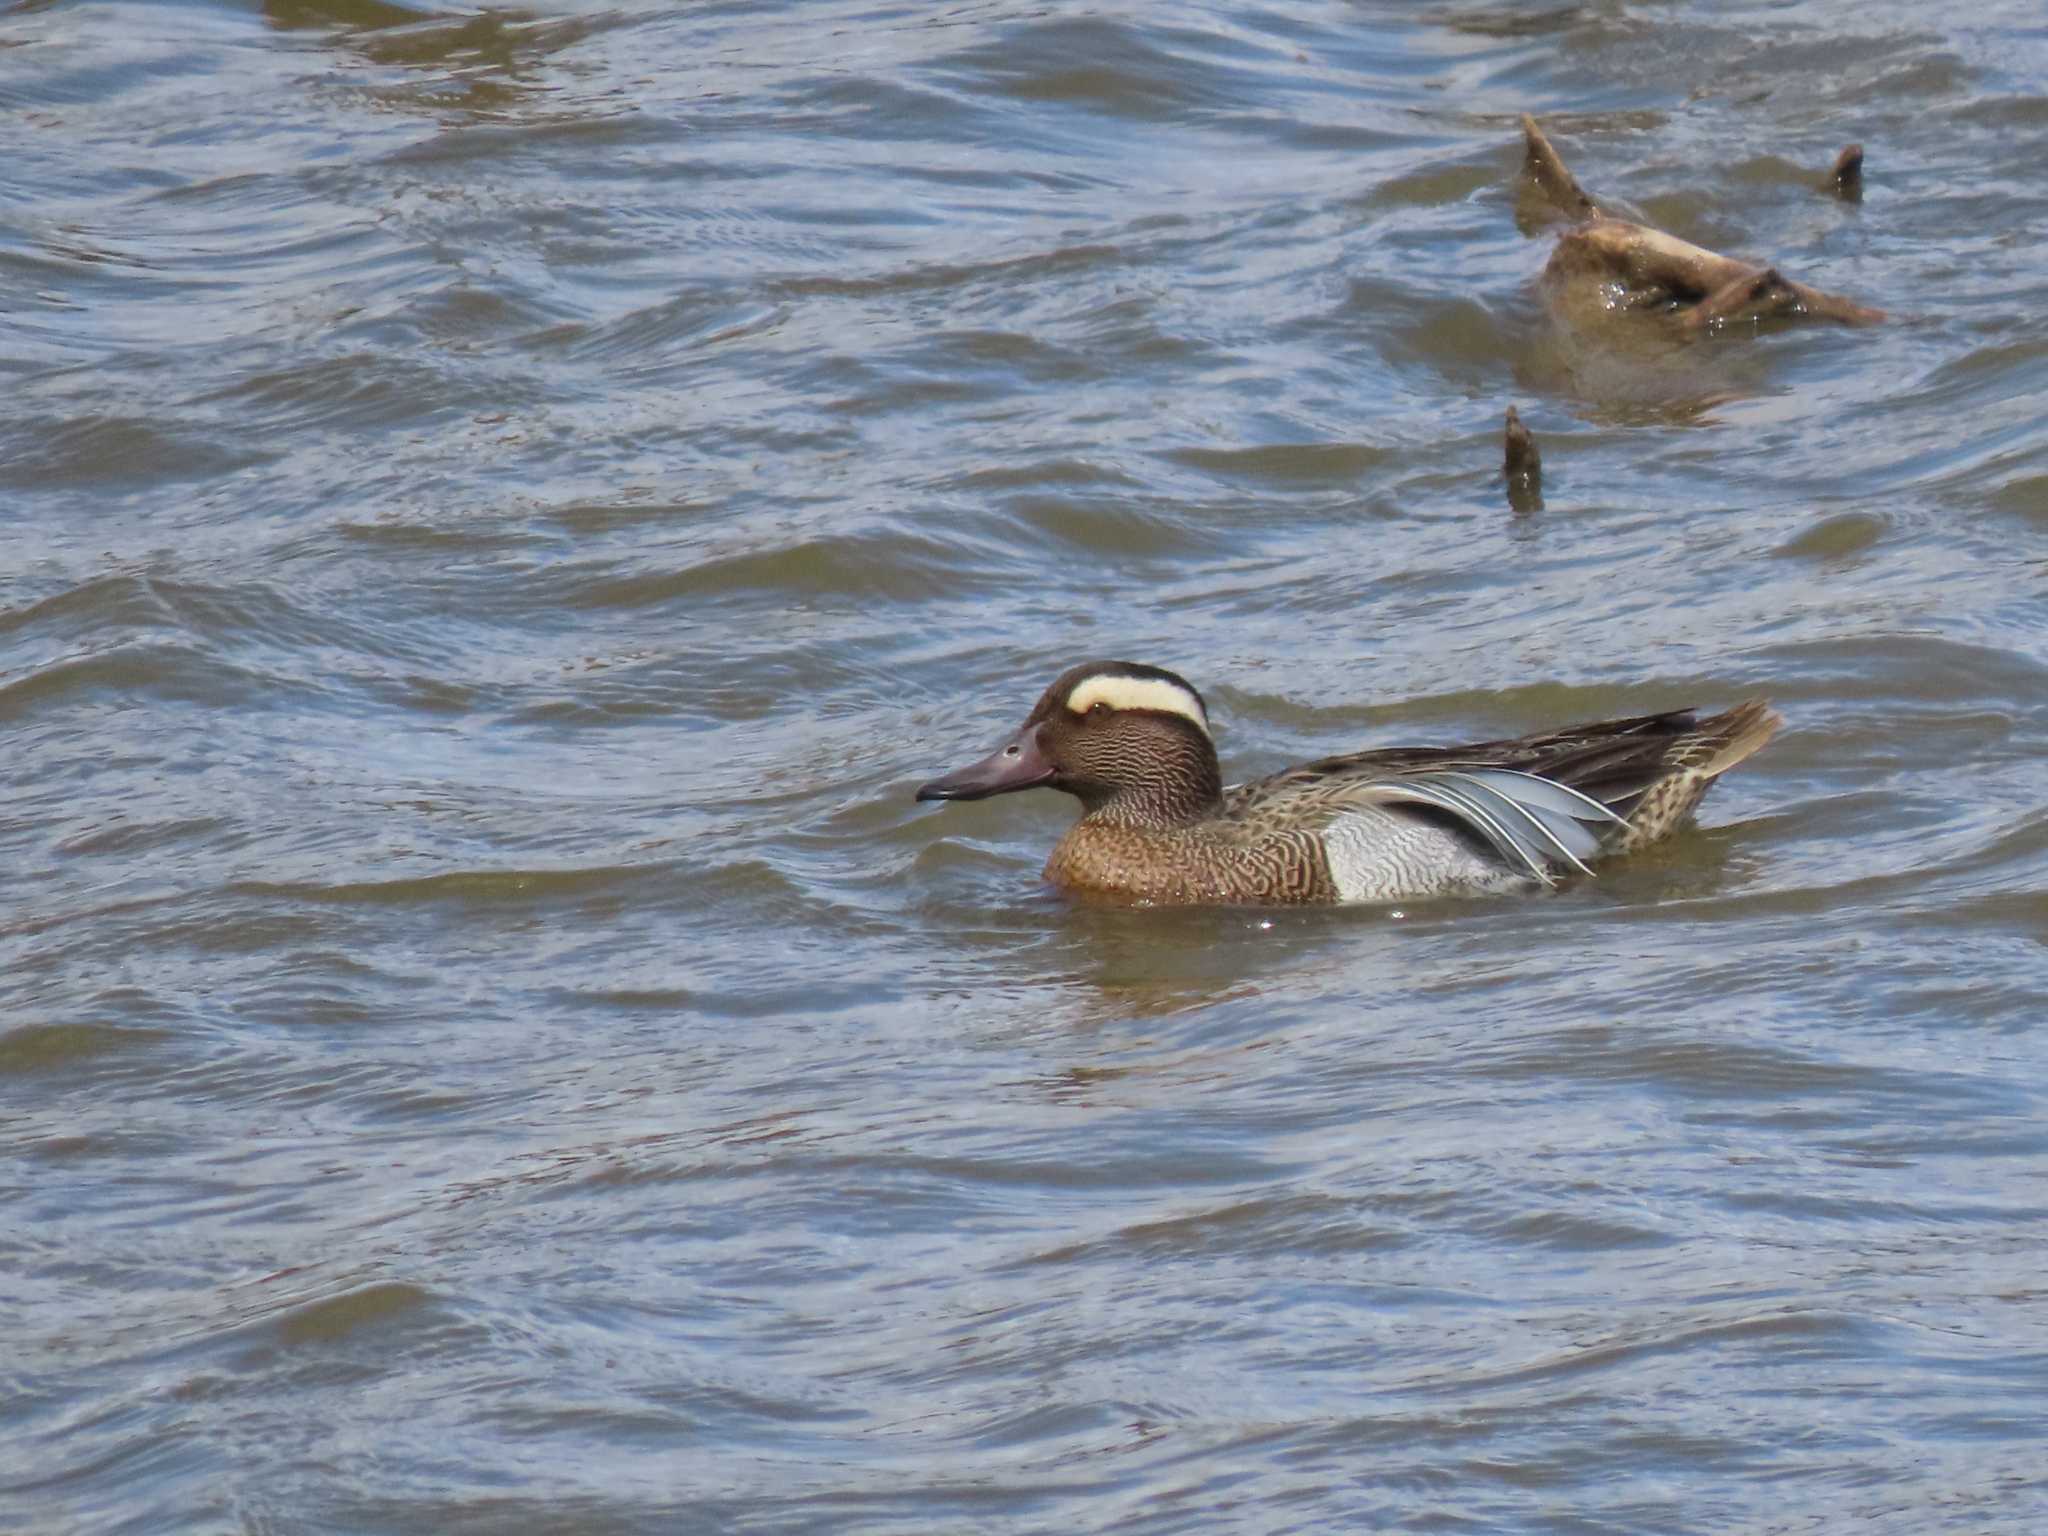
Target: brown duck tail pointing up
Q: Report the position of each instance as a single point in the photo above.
(1706, 751)
(1725, 739)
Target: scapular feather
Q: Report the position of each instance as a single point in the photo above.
(1439, 791)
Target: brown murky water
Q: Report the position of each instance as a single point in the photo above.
(502, 507)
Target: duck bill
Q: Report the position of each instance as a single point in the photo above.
(1019, 763)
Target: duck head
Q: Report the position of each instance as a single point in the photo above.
(1130, 742)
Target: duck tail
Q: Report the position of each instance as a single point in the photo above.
(1691, 765)
(1721, 741)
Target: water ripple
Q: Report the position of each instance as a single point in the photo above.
(508, 505)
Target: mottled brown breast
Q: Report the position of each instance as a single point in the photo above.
(1192, 866)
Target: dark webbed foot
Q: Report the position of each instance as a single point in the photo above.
(1845, 176)
(1524, 462)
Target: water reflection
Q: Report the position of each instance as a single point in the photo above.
(487, 65)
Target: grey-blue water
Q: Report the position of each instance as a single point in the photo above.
(501, 509)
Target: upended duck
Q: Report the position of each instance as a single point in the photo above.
(1132, 744)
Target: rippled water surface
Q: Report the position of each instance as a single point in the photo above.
(503, 506)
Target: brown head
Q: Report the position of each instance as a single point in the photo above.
(1131, 742)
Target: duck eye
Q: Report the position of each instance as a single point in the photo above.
(1098, 709)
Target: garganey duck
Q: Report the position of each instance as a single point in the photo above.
(1132, 744)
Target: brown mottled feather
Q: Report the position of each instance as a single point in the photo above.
(1244, 862)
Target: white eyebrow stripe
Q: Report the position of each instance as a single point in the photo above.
(1138, 693)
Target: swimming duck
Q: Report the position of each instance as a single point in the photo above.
(1132, 744)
